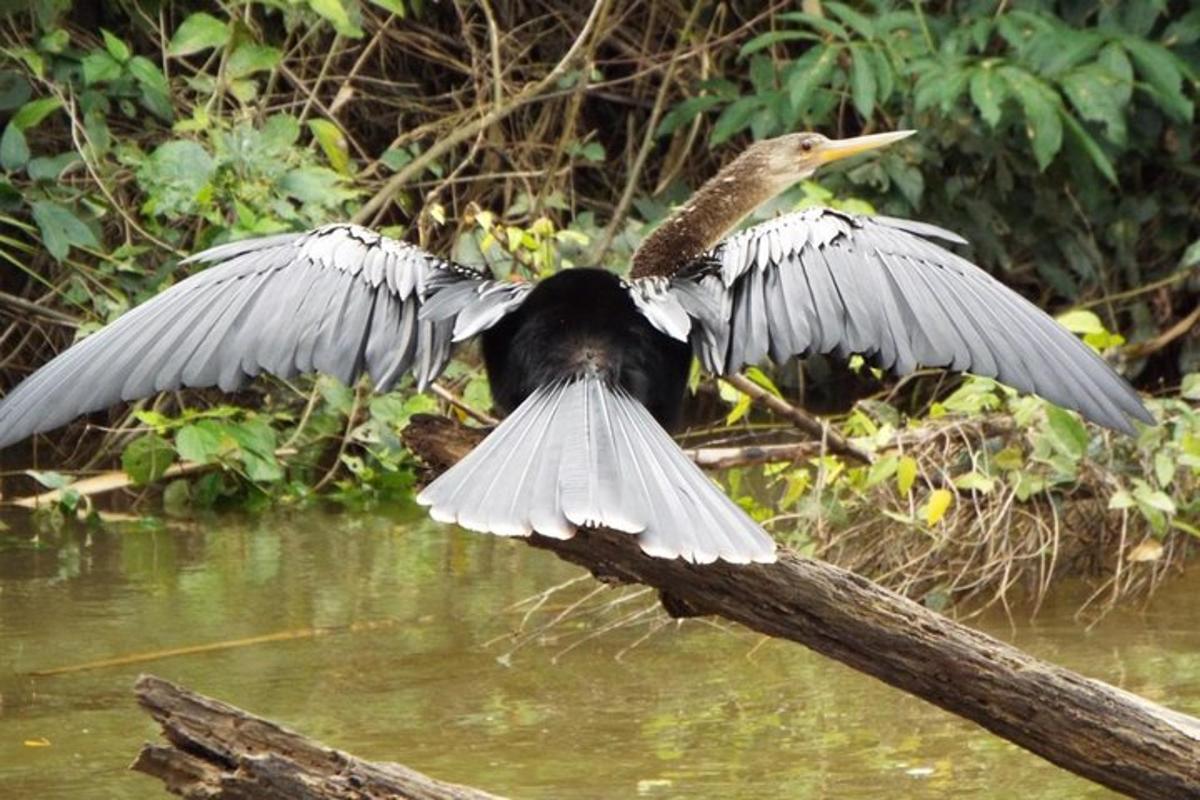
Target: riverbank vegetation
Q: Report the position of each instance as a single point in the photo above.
(1057, 137)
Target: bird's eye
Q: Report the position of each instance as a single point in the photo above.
(806, 145)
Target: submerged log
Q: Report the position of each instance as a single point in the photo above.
(1083, 725)
(220, 752)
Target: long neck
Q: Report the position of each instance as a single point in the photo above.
(714, 210)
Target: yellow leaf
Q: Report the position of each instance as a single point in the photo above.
(939, 503)
(41, 741)
(906, 473)
(1149, 550)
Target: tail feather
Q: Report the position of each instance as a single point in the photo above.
(582, 453)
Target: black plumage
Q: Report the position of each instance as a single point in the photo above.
(581, 321)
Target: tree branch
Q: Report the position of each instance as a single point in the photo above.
(809, 424)
(1088, 727)
(219, 751)
(497, 113)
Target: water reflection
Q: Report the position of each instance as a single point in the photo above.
(691, 711)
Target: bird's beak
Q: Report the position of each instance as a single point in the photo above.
(837, 149)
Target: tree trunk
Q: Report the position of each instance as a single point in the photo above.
(1086, 726)
(219, 752)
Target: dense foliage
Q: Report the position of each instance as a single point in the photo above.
(1057, 135)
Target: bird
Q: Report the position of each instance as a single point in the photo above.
(589, 369)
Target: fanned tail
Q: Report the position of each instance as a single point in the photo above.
(583, 453)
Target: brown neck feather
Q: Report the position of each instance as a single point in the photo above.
(715, 208)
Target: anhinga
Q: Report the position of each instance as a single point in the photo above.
(590, 368)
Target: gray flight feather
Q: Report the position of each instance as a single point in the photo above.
(340, 299)
(824, 281)
(583, 453)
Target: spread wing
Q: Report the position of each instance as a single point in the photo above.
(339, 299)
(821, 281)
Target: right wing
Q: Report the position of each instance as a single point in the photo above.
(822, 281)
(340, 299)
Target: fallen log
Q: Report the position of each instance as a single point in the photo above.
(219, 751)
(1083, 725)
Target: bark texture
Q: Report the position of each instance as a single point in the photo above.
(1086, 726)
(220, 752)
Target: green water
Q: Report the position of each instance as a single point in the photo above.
(610, 701)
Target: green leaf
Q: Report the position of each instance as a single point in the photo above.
(335, 11)
(885, 74)
(862, 81)
(856, 21)
(765, 40)
(803, 83)
(734, 118)
(49, 479)
(99, 67)
(685, 112)
(907, 178)
(14, 89)
(1189, 388)
(174, 176)
(1094, 151)
(988, 93)
(973, 481)
(1115, 61)
(1185, 30)
(61, 229)
(49, 168)
(1095, 93)
(256, 441)
(31, 114)
(1043, 122)
(1160, 69)
(882, 470)
(115, 47)
(394, 6)
(1158, 500)
(1067, 433)
(822, 24)
(146, 458)
(329, 136)
(1164, 468)
(55, 41)
(148, 74)
(249, 58)
(313, 185)
(1120, 499)
(760, 378)
(941, 85)
(1191, 256)
(14, 150)
(1055, 51)
(203, 442)
(200, 31)
(592, 151)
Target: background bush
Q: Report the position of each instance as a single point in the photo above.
(1057, 136)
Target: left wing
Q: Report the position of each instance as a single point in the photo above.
(822, 281)
(339, 299)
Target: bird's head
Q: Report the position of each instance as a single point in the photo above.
(796, 156)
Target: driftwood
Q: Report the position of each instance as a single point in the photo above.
(1086, 726)
(219, 751)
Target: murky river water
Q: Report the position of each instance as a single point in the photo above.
(417, 664)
